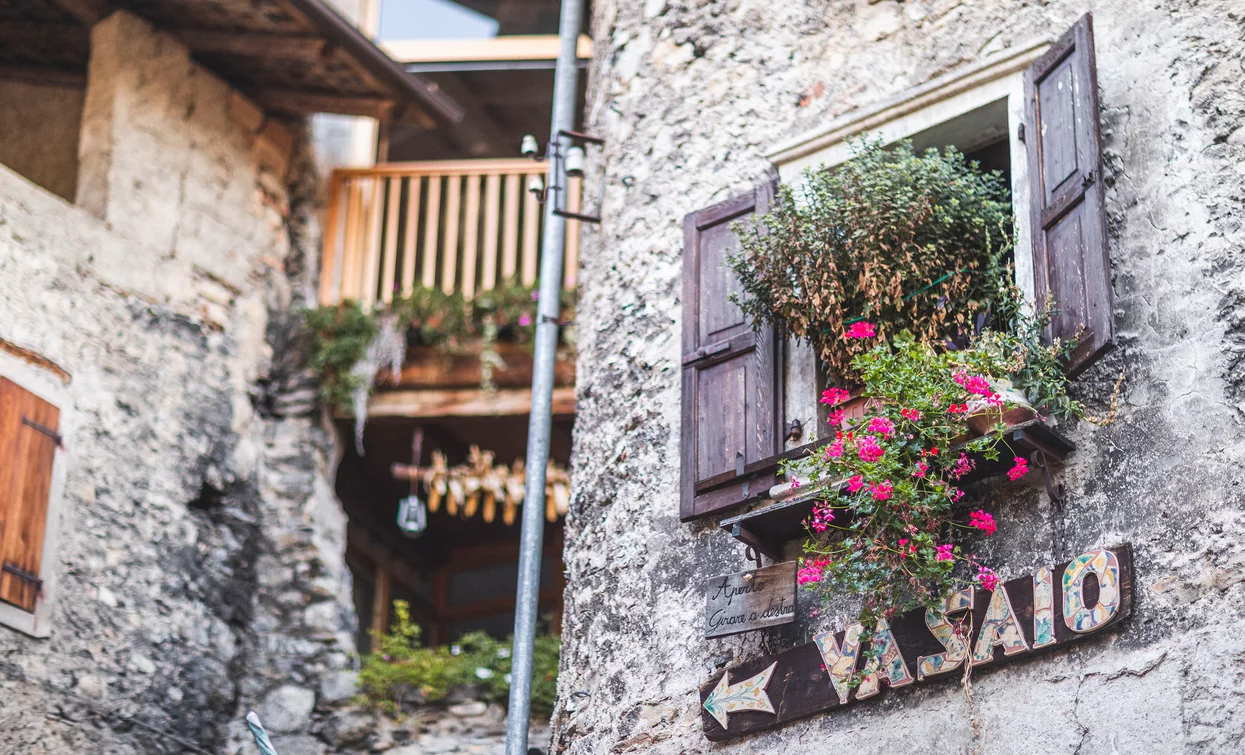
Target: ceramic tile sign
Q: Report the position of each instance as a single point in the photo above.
(1050, 607)
(750, 600)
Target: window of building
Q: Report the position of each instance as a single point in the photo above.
(979, 111)
(32, 422)
(1061, 259)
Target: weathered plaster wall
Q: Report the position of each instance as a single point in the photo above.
(688, 95)
(40, 124)
(201, 560)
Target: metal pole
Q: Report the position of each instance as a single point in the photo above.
(565, 91)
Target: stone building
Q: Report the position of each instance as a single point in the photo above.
(172, 545)
(700, 102)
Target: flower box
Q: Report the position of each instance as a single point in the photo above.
(776, 522)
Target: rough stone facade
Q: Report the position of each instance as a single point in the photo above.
(688, 95)
(200, 558)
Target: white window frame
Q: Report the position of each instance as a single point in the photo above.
(998, 77)
(54, 390)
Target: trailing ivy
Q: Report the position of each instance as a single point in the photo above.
(908, 242)
(340, 336)
(401, 671)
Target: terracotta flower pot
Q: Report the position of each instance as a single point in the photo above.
(855, 409)
(1015, 410)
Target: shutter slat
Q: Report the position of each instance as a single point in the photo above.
(26, 458)
(1071, 262)
(730, 372)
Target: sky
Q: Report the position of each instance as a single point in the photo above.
(432, 19)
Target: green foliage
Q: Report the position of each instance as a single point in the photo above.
(400, 667)
(1035, 367)
(885, 530)
(910, 242)
(340, 337)
(438, 318)
(340, 334)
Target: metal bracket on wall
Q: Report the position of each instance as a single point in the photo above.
(1054, 489)
(23, 575)
(754, 555)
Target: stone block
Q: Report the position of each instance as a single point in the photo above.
(287, 709)
(299, 744)
(339, 687)
(348, 727)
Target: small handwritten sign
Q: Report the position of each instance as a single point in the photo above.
(750, 600)
(1051, 607)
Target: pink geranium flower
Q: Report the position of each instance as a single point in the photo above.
(1019, 470)
(811, 571)
(860, 330)
(921, 469)
(882, 426)
(882, 491)
(823, 515)
(834, 450)
(910, 414)
(983, 521)
(834, 396)
(963, 466)
(944, 552)
(869, 450)
(957, 408)
(987, 578)
(835, 418)
(855, 483)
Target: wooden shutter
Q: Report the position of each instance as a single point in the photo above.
(28, 442)
(730, 371)
(1070, 262)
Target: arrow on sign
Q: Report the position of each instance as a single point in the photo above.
(736, 698)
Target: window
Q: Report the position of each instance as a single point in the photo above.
(31, 477)
(1032, 113)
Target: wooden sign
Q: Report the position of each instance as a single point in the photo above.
(750, 600)
(1049, 608)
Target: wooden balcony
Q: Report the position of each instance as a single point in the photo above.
(463, 226)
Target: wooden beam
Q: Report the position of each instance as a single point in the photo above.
(380, 601)
(464, 403)
(44, 75)
(478, 609)
(515, 47)
(428, 367)
(89, 12)
(270, 46)
(316, 102)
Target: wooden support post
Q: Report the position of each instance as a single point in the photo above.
(381, 601)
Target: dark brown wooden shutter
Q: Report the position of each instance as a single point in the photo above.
(28, 442)
(730, 372)
(1071, 265)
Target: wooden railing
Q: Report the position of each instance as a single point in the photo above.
(466, 226)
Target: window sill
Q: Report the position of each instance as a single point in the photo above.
(770, 525)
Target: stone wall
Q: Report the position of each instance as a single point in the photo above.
(688, 95)
(200, 564)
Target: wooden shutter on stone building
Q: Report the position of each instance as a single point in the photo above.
(1071, 265)
(28, 442)
(731, 389)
